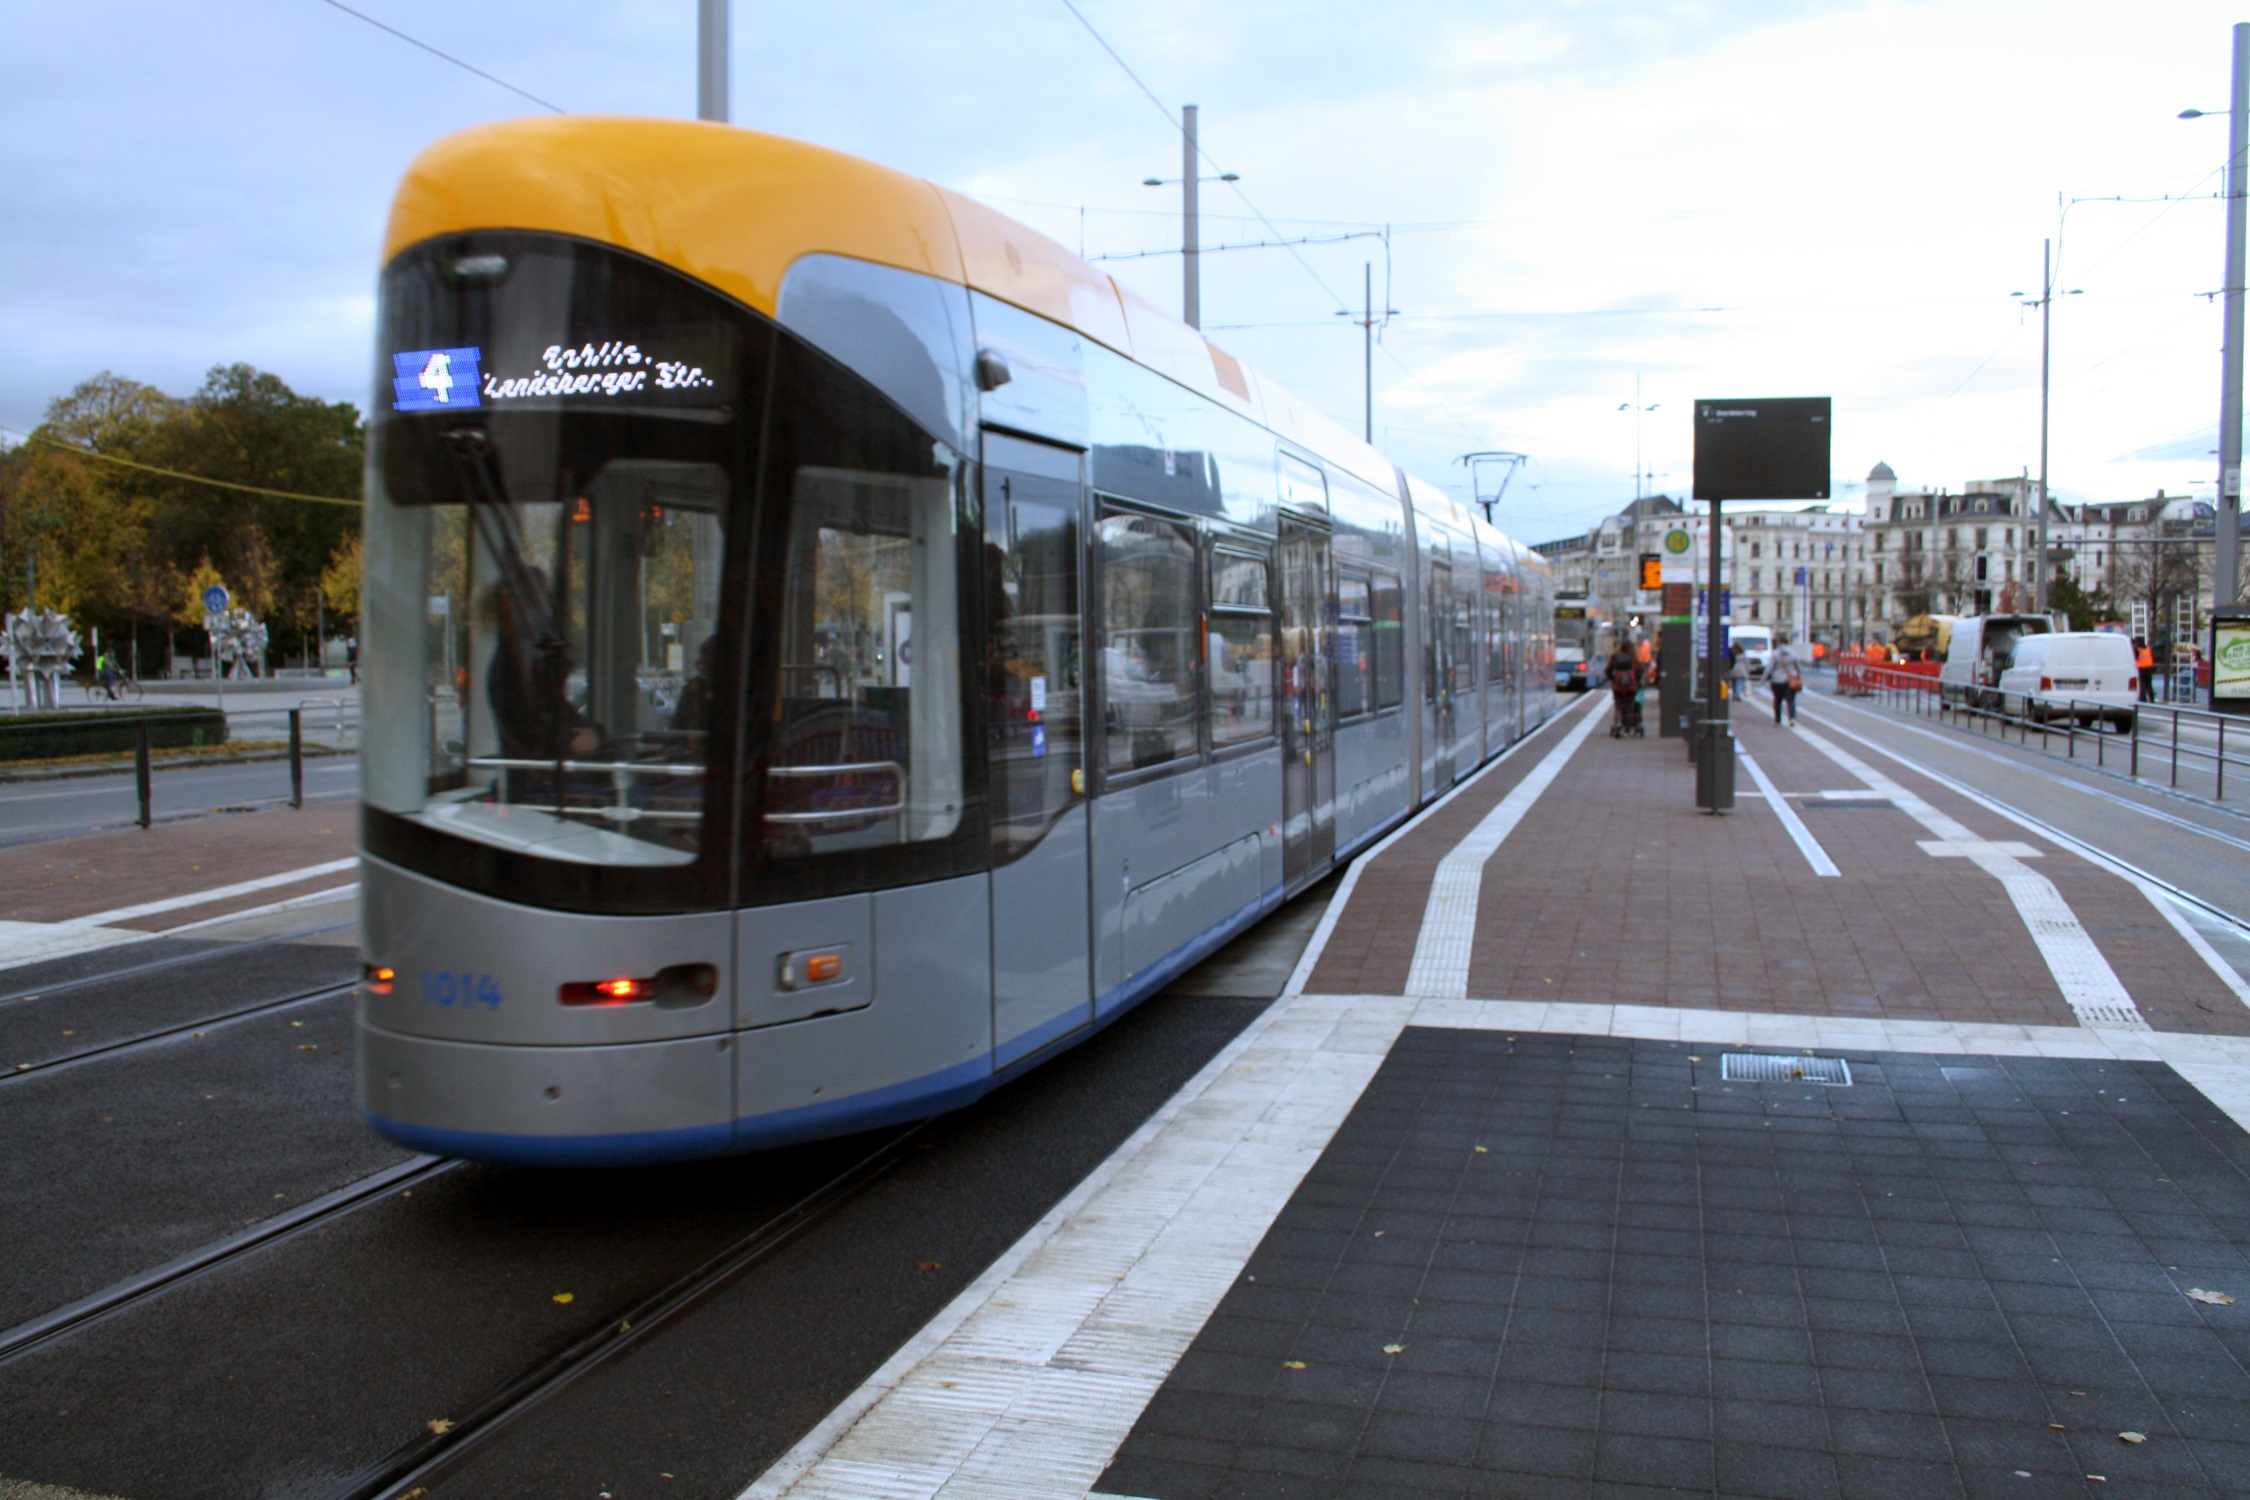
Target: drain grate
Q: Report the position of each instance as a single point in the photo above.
(1781, 1067)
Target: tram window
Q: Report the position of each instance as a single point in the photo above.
(1031, 604)
(1148, 646)
(1390, 641)
(865, 748)
(1464, 639)
(1355, 641)
(1241, 649)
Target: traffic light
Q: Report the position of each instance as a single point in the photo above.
(1652, 571)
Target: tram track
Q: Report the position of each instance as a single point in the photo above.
(120, 1295)
(427, 1459)
(26, 1070)
(174, 961)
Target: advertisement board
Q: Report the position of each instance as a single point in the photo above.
(2230, 660)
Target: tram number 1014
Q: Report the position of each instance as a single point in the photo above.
(445, 987)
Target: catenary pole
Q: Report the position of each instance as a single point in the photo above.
(2227, 573)
(711, 60)
(1191, 231)
(2039, 520)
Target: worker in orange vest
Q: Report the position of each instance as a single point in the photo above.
(2145, 660)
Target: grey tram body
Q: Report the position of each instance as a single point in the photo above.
(953, 984)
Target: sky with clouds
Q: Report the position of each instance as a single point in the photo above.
(1775, 197)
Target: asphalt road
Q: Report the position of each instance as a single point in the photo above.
(35, 811)
(286, 1372)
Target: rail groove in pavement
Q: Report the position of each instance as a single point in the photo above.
(219, 1252)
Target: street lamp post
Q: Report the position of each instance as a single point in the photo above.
(2045, 302)
(1191, 218)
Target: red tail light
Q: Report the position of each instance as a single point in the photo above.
(682, 984)
(2046, 684)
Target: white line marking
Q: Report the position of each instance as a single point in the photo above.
(1799, 834)
(1310, 958)
(2170, 911)
(315, 898)
(1959, 741)
(1449, 919)
(995, 1388)
(216, 893)
(2088, 984)
(2092, 855)
(2217, 1065)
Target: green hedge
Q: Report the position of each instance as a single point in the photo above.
(107, 732)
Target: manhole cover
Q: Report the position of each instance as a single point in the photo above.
(1780, 1067)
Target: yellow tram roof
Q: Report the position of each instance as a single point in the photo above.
(736, 208)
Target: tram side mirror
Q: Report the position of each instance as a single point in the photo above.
(992, 370)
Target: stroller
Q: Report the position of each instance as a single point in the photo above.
(1625, 702)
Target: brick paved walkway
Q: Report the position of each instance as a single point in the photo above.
(1615, 890)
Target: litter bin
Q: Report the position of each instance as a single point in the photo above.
(1714, 766)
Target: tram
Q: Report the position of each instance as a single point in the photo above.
(827, 648)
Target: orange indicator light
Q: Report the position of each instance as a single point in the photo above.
(379, 979)
(822, 967)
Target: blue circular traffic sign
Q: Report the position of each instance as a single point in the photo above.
(216, 598)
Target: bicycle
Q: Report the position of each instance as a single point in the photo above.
(124, 690)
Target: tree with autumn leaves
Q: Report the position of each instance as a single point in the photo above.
(116, 544)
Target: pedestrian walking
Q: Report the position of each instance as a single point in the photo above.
(2144, 663)
(1786, 679)
(1738, 675)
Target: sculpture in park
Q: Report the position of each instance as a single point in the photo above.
(40, 646)
(238, 640)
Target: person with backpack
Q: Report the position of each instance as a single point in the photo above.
(1787, 679)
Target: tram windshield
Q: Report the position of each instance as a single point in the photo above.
(544, 551)
(576, 692)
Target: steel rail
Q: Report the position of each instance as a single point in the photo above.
(424, 1460)
(2091, 851)
(178, 960)
(1966, 743)
(22, 1071)
(98, 1305)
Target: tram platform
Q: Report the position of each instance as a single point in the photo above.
(192, 877)
(1480, 1205)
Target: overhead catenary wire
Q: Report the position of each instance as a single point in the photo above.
(79, 451)
(446, 56)
(1171, 118)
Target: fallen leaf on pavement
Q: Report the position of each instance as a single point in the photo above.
(1292, 1364)
(2216, 1299)
(2132, 1437)
(1394, 1348)
(566, 1298)
(309, 1047)
(440, 1426)
(927, 1265)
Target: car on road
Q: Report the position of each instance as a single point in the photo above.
(2084, 675)
(1572, 675)
(1980, 649)
(1754, 642)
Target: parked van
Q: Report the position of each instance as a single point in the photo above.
(1981, 648)
(1754, 642)
(2087, 675)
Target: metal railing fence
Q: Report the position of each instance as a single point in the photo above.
(2170, 736)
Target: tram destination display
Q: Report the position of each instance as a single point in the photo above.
(1772, 448)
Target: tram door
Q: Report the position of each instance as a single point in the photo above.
(1308, 702)
(1042, 973)
(1437, 629)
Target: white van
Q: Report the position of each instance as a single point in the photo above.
(1980, 649)
(2077, 674)
(1754, 642)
